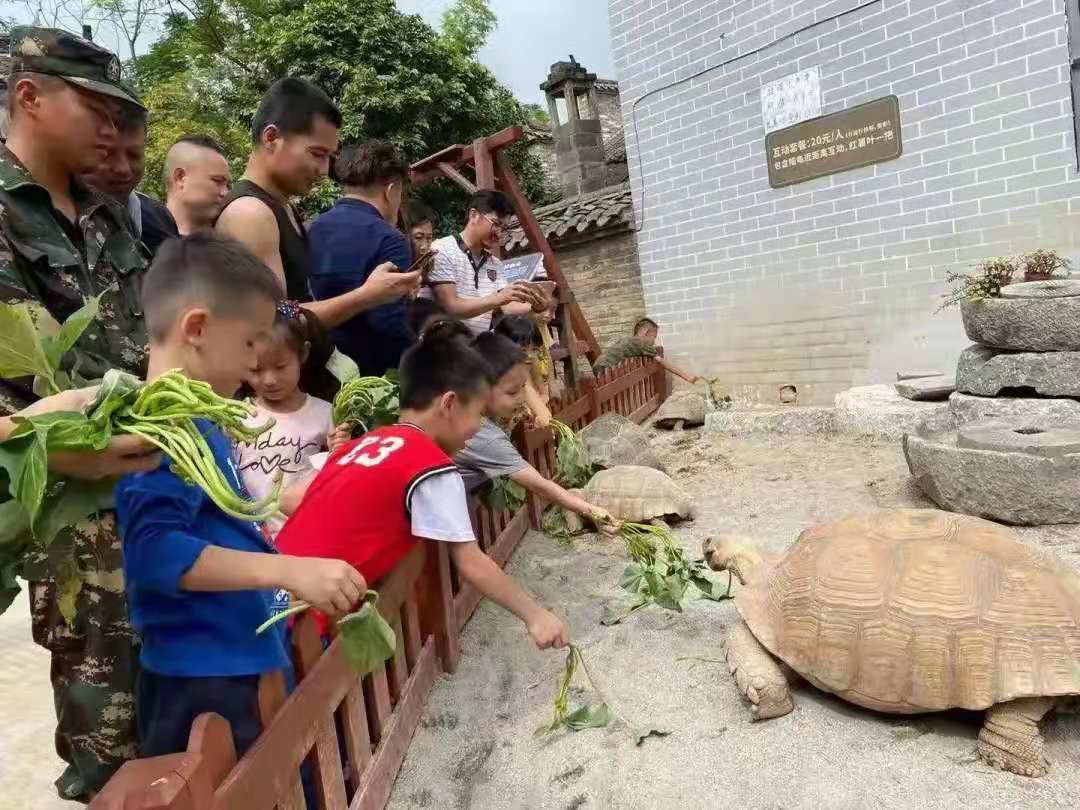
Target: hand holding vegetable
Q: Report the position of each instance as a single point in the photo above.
(548, 630)
(330, 586)
(122, 456)
(604, 520)
(338, 436)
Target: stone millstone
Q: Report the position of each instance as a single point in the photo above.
(965, 408)
(1051, 288)
(1029, 324)
(877, 410)
(914, 375)
(1013, 437)
(1011, 487)
(930, 389)
(986, 371)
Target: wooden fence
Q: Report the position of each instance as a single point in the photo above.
(353, 733)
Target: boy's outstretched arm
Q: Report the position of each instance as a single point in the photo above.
(535, 483)
(678, 372)
(545, 628)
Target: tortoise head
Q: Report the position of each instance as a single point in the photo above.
(731, 552)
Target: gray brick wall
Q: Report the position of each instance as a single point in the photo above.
(835, 282)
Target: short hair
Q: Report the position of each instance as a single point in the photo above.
(370, 162)
(47, 81)
(646, 323)
(491, 202)
(500, 352)
(131, 118)
(442, 361)
(203, 269)
(198, 141)
(292, 105)
(422, 311)
(417, 212)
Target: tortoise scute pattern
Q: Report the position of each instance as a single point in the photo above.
(917, 611)
(637, 494)
(686, 406)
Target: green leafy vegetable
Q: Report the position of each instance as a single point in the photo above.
(366, 639)
(367, 403)
(34, 345)
(659, 572)
(585, 716)
(503, 495)
(555, 522)
(573, 464)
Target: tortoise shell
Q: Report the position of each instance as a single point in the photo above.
(686, 406)
(614, 440)
(638, 494)
(917, 610)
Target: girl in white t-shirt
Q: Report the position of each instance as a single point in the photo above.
(288, 383)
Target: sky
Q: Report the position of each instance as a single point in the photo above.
(530, 36)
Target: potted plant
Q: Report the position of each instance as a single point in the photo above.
(986, 282)
(1043, 265)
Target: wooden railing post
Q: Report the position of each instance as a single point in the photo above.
(588, 387)
(437, 616)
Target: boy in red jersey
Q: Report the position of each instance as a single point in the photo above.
(378, 495)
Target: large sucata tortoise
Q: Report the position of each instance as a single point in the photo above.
(638, 494)
(613, 440)
(684, 408)
(909, 611)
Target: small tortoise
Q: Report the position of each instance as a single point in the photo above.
(613, 440)
(638, 494)
(909, 611)
(684, 408)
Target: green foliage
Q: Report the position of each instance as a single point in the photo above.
(1043, 263)
(367, 403)
(34, 344)
(391, 74)
(573, 464)
(986, 282)
(367, 640)
(584, 716)
(503, 495)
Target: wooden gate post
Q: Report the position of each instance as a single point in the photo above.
(437, 616)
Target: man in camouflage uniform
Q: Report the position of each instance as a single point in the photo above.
(59, 243)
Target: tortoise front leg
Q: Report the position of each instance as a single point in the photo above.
(1010, 738)
(758, 675)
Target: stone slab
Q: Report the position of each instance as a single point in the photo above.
(877, 410)
(1051, 288)
(964, 408)
(986, 371)
(926, 389)
(914, 375)
(1021, 437)
(1014, 488)
(791, 420)
(1024, 324)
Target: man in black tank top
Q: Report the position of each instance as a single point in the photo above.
(294, 134)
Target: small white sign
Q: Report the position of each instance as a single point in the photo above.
(791, 99)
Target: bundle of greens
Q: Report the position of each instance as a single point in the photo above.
(366, 639)
(366, 403)
(573, 465)
(584, 716)
(503, 495)
(660, 573)
(162, 412)
(34, 344)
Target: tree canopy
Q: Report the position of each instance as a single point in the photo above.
(393, 76)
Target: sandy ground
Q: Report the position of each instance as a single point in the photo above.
(475, 747)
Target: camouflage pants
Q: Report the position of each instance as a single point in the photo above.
(94, 658)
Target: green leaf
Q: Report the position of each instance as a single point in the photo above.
(503, 495)
(56, 346)
(69, 502)
(366, 638)
(21, 351)
(68, 586)
(343, 367)
(14, 540)
(613, 615)
(644, 732)
(633, 578)
(711, 589)
(23, 456)
(588, 716)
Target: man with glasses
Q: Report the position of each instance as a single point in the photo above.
(467, 279)
(61, 243)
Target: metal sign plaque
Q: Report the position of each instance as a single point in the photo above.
(869, 133)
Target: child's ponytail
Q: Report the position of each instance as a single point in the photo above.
(305, 334)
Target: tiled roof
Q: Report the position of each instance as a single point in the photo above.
(607, 86)
(606, 208)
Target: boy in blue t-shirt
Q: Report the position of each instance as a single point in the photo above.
(199, 581)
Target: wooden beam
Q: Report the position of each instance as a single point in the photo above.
(459, 179)
(485, 168)
(426, 170)
(529, 224)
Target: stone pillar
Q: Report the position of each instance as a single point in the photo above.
(579, 143)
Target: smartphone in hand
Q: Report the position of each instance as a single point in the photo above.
(424, 262)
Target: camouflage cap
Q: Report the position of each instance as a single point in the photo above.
(63, 54)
